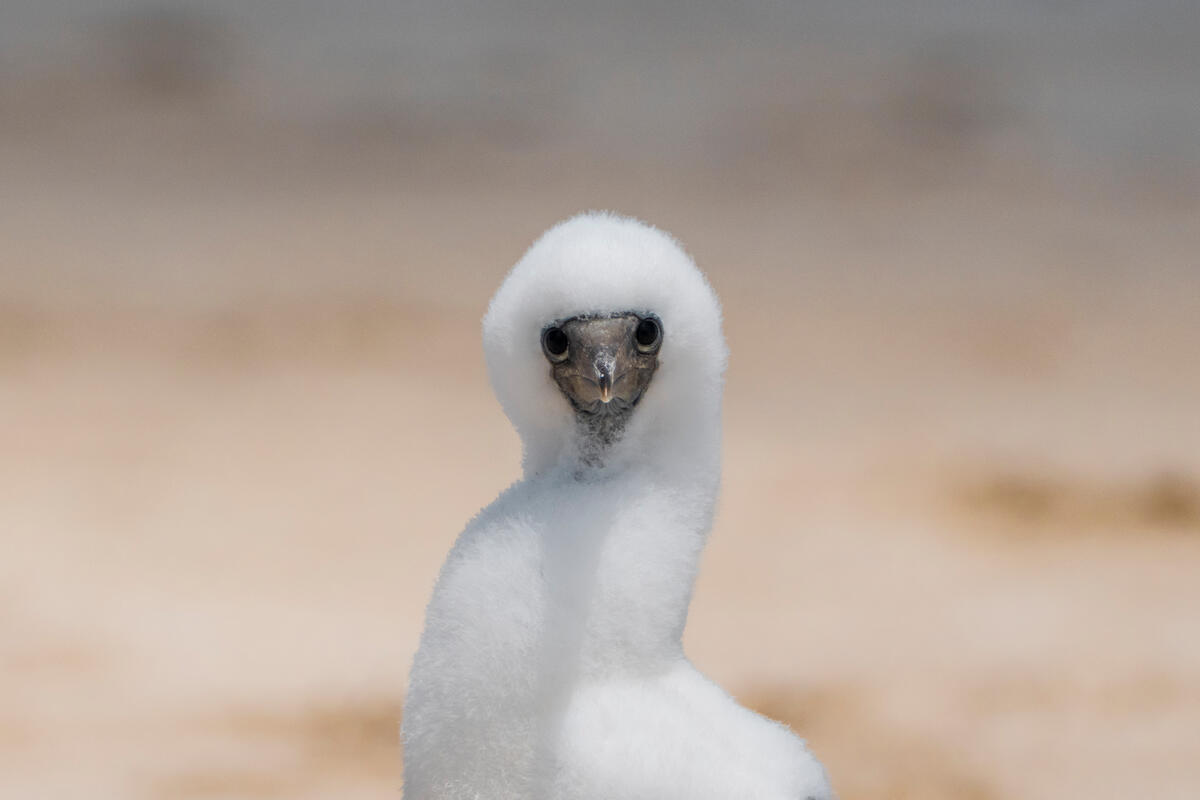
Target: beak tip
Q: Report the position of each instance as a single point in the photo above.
(605, 384)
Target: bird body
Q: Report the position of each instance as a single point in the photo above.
(551, 665)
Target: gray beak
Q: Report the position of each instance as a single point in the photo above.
(604, 365)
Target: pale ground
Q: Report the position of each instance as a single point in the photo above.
(242, 420)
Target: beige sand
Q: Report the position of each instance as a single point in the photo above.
(243, 414)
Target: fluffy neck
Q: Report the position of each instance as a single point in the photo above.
(622, 550)
(592, 440)
(681, 444)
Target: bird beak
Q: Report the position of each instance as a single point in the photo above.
(604, 365)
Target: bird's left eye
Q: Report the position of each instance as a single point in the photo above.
(648, 335)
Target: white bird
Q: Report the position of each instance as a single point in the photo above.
(551, 665)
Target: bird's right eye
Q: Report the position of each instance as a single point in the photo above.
(555, 343)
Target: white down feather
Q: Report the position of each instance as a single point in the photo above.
(551, 664)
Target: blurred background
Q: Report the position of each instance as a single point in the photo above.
(244, 250)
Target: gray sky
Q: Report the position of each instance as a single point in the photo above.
(1112, 81)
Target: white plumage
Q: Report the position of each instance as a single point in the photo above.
(551, 665)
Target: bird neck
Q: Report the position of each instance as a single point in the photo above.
(594, 438)
(621, 553)
(683, 446)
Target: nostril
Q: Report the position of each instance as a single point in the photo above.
(604, 364)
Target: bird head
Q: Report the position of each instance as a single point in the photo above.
(603, 364)
(604, 344)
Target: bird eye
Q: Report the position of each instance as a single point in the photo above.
(555, 343)
(648, 335)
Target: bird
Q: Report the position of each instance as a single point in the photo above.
(551, 663)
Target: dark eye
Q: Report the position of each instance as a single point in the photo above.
(555, 343)
(648, 335)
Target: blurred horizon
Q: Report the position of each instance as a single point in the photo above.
(1101, 83)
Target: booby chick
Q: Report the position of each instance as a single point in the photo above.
(551, 665)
